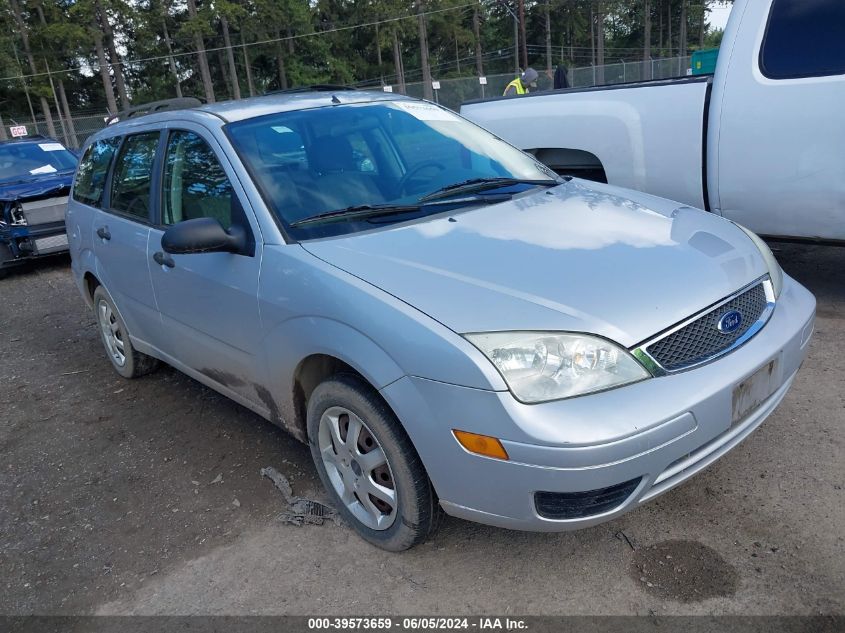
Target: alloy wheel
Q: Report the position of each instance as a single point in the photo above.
(357, 468)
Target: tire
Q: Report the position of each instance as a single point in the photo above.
(335, 409)
(126, 360)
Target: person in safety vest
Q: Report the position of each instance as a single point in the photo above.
(520, 85)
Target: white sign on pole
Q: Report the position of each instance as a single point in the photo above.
(482, 81)
(18, 130)
(387, 88)
(435, 85)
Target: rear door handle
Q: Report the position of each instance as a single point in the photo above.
(103, 233)
(163, 260)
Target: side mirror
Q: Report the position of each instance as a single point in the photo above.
(203, 235)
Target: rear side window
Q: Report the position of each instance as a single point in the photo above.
(130, 189)
(195, 185)
(92, 172)
(804, 38)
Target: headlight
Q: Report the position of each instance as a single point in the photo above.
(775, 271)
(541, 366)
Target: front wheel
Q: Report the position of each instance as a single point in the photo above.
(369, 466)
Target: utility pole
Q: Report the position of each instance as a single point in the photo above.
(515, 35)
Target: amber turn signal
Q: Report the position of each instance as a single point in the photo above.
(481, 444)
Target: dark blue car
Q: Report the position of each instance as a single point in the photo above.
(35, 177)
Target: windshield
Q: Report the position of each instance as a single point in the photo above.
(391, 153)
(19, 161)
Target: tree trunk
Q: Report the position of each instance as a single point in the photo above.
(230, 55)
(104, 69)
(646, 74)
(56, 103)
(428, 91)
(682, 30)
(549, 39)
(280, 61)
(67, 124)
(660, 38)
(45, 107)
(476, 31)
(202, 58)
(701, 24)
(397, 63)
(600, 43)
(378, 57)
(170, 59)
(669, 44)
(247, 65)
(113, 56)
(522, 34)
(71, 128)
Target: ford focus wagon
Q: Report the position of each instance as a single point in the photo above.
(445, 321)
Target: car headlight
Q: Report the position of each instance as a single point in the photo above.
(542, 366)
(775, 271)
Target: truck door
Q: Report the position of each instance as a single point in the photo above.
(778, 126)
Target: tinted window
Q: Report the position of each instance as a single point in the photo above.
(93, 169)
(130, 189)
(26, 160)
(804, 38)
(195, 185)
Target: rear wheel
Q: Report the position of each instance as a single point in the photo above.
(126, 360)
(369, 466)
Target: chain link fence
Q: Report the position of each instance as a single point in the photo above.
(452, 92)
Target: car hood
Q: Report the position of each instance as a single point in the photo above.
(36, 187)
(579, 257)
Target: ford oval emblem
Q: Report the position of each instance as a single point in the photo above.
(729, 322)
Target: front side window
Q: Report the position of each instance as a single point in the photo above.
(804, 38)
(130, 189)
(93, 169)
(194, 185)
(384, 154)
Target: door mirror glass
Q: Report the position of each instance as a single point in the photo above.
(203, 235)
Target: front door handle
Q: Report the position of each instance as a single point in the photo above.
(163, 260)
(103, 233)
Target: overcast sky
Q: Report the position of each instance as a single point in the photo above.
(719, 15)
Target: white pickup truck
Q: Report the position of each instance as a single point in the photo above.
(761, 142)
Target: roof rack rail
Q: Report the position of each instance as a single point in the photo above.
(181, 103)
(311, 88)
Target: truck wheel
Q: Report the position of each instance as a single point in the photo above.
(5, 256)
(369, 466)
(126, 360)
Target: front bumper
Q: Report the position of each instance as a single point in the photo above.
(28, 242)
(659, 431)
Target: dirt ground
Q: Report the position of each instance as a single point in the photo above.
(144, 496)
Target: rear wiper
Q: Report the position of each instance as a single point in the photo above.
(358, 211)
(479, 184)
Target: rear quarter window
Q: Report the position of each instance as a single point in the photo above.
(92, 172)
(804, 38)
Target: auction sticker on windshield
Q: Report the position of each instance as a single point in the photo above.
(425, 111)
(51, 147)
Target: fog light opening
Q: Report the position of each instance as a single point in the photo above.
(481, 444)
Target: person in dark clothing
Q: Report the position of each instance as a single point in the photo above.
(560, 80)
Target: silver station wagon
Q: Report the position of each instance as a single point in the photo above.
(445, 321)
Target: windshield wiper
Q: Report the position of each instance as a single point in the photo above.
(480, 184)
(358, 211)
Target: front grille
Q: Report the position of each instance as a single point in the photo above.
(578, 505)
(700, 340)
(45, 211)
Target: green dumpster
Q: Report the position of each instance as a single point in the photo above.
(704, 62)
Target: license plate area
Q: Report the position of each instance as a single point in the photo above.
(754, 390)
